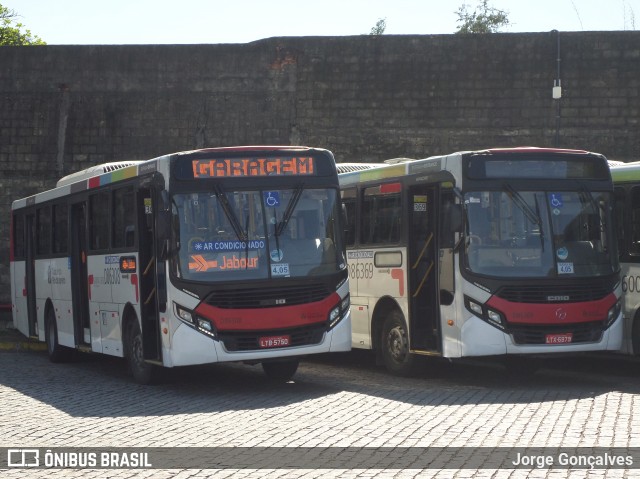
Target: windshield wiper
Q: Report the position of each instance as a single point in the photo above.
(535, 198)
(231, 216)
(523, 205)
(289, 211)
(585, 193)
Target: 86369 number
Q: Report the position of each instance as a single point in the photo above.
(361, 271)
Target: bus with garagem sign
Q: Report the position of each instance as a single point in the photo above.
(626, 180)
(500, 252)
(205, 256)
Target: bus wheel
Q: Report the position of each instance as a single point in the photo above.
(143, 372)
(280, 371)
(57, 353)
(395, 346)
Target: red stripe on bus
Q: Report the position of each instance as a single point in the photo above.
(391, 188)
(554, 313)
(264, 319)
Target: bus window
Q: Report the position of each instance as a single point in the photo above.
(620, 220)
(43, 226)
(634, 206)
(382, 216)
(60, 221)
(349, 202)
(99, 221)
(18, 237)
(123, 217)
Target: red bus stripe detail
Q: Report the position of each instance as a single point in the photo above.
(553, 313)
(391, 188)
(263, 319)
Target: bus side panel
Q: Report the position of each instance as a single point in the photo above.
(43, 292)
(60, 280)
(100, 297)
(19, 296)
(451, 344)
(379, 272)
(125, 290)
(631, 303)
(361, 324)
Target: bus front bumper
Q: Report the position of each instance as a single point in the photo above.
(190, 347)
(481, 339)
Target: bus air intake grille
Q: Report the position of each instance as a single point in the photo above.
(590, 332)
(249, 341)
(558, 293)
(268, 297)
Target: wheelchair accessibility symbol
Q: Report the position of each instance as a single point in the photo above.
(556, 200)
(271, 198)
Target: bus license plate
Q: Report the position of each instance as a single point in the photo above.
(559, 338)
(274, 341)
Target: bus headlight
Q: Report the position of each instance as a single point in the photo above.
(613, 314)
(491, 316)
(205, 326)
(184, 314)
(338, 312)
(495, 318)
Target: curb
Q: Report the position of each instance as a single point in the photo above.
(13, 340)
(21, 345)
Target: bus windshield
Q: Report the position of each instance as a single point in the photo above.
(539, 233)
(256, 234)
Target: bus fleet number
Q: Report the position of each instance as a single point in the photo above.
(631, 284)
(111, 276)
(361, 271)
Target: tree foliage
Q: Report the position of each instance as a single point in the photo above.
(381, 26)
(483, 19)
(12, 33)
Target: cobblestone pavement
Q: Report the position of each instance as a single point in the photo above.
(335, 403)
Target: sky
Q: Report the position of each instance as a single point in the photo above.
(91, 22)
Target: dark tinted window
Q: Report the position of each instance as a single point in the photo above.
(381, 215)
(43, 228)
(60, 231)
(124, 217)
(99, 220)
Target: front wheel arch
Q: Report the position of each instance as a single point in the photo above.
(56, 352)
(142, 371)
(394, 345)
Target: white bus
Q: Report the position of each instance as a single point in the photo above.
(626, 180)
(213, 255)
(503, 252)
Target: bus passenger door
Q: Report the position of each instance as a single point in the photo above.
(423, 268)
(148, 271)
(30, 274)
(79, 278)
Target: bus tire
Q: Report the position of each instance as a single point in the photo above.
(280, 371)
(142, 372)
(57, 353)
(394, 346)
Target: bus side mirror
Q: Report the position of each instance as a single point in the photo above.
(451, 223)
(345, 223)
(163, 218)
(163, 223)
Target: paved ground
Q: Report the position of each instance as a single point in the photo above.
(339, 406)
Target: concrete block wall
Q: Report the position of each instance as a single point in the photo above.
(366, 98)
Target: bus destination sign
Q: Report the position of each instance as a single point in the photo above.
(243, 167)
